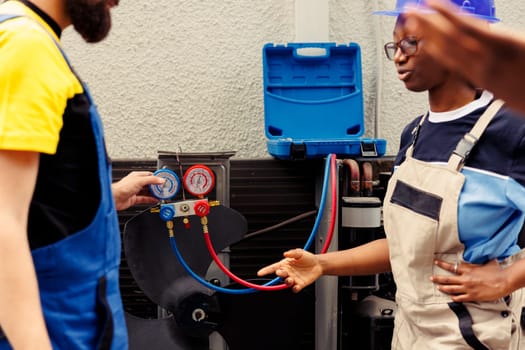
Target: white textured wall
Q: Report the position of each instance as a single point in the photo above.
(188, 74)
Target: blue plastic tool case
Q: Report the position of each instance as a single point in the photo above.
(313, 101)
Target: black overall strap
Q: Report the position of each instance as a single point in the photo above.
(107, 332)
(465, 326)
(415, 135)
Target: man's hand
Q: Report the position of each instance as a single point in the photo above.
(131, 189)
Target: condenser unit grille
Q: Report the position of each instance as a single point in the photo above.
(269, 192)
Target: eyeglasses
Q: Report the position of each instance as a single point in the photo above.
(408, 47)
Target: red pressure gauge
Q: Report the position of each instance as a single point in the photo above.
(199, 180)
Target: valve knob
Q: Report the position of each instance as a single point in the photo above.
(201, 208)
(167, 212)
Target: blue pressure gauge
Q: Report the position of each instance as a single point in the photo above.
(171, 186)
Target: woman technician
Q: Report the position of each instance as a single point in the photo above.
(457, 195)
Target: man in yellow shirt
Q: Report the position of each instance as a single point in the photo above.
(59, 239)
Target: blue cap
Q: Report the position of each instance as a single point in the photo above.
(484, 9)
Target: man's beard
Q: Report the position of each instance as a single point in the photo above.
(90, 18)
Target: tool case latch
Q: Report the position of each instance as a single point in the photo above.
(298, 151)
(368, 149)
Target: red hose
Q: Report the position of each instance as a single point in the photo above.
(330, 234)
(234, 277)
(333, 182)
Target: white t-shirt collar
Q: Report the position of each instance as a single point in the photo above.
(441, 117)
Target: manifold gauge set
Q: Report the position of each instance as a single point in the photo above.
(198, 180)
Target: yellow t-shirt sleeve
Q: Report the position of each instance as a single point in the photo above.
(35, 85)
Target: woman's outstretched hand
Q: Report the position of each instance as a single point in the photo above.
(298, 269)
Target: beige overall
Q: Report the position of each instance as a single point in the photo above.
(420, 218)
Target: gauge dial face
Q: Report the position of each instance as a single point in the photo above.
(171, 186)
(199, 180)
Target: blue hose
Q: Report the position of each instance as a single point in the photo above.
(307, 246)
